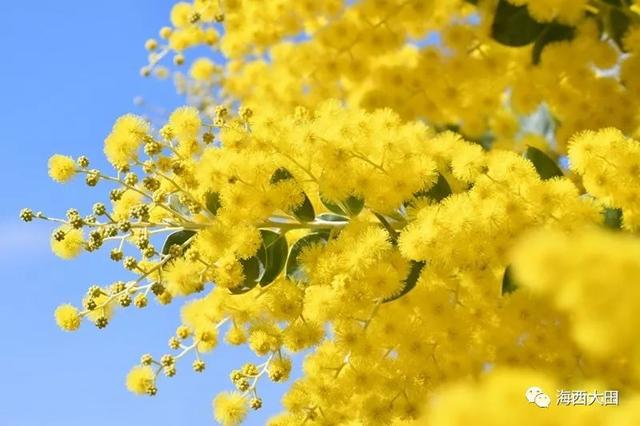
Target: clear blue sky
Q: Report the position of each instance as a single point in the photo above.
(69, 68)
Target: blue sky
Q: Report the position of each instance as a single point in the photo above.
(68, 70)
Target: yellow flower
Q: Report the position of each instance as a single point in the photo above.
(468, 162)
(202, 69)
(230, 408)
(70, 246)
(61, 168)
(235, 336)
(207, 338)
(140, 379)
(67, 317)
(181, 14)
(122, 207)
(185, 122)
(182, 278)
(126, 137)
(279, 369)
(367, 120)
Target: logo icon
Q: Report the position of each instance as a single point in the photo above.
(535, 395)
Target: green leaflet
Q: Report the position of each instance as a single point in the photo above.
(251, 268)
(272, 254)
(266, 265)
(304, 212)
(349, 207)
(411, 280)
(545, 166)
(617, 23)
(293, 269)
(177, 238)
(612, 218)
(513, 26)
(213, 202)
(551, 33)
(437, 192)
(508, 284)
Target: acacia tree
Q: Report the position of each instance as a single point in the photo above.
(437, 201)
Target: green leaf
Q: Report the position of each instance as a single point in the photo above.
(508, 284)
(294, 270)
(251, 269)
(177, 238)
(449, 127)
(437, 192)
(545, 166)
(303, 212)
(213, 202)
(349, 207)
(617, 25)
(280, 175)
(612, 218)
(272, 254)
(616, 3)
(513, 26)
(409, 282)
(551, 33)
(485, 140)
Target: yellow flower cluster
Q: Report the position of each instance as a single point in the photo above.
(67, 317)
(230, 409)
(359, 52)
(609, 164)
(485, 402)
(379, 191)
(599, 295)
(61, 168)
(421, 222)
(127, 136)
(70, 246)
(140, 380)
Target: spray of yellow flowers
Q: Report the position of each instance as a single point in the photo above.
(437, 201)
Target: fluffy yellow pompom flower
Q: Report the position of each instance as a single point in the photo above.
(122, 207)
(235, 336)
(572, 269)
(230, 408)
(181, 14)
(279, 369)
(126, 137)
(70, 245)
(67, 317)
(61, 168)
(207, 338)
(140, 379)
(181, 279)
(202, 69)
(501, 396)
(185, 123)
